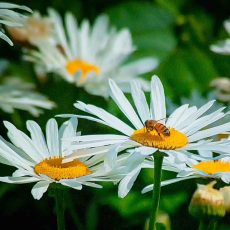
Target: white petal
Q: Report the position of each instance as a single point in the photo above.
(18, 180)
(38, 137)
(111, 120)
(140, 101)
(52, 137)
(102, 137)
(176, 115)
(157, 99)
(127, 182)
(86, 152)
(72, 31)
(71, 183)
(124, 105)
(92, 144)
(12, 157)
(203, 122)
(22, 141)
(167, 182)
(59, 28)
(209, 132)
(39, 189)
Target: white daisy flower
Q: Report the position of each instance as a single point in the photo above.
(11, 18)
(35, 29)
(16, 94)
(182, 131)
(223, 47)
(42, 160)
(89, 55)
(189, 169)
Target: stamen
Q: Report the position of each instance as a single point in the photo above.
(77, 65)
(175, 140)
(212, 167)
(55, 169)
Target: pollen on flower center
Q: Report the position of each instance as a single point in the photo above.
(77, 65)
(175, 140)
(212, 167)
(55, 169)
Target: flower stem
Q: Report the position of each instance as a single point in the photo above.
(59, 202)
(213, 225)
(207, 224)
(158, 160)
(202, 225)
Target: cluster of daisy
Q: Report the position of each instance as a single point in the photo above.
(186, 138)
(82, 54)
(73, 160)
(15, 93)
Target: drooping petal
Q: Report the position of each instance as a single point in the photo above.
(39, 189)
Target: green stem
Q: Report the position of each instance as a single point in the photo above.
(213, 225)
(203, 225)
(158, 160)
(59, 200)
(207, 224)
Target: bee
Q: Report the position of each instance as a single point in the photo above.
(151, 125)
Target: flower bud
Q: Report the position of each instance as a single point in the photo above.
(207, 202)
(226, 193)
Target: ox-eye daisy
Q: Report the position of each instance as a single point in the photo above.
(89, 55)
(186, 124)
(189, 169)
(11, 18)
(35, 29)
(17, 94)
(179, 133)
(39, 159)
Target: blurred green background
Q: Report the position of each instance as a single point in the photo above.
(177, 32)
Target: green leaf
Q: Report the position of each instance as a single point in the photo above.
(151, 27)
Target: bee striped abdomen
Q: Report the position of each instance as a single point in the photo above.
(159, 127)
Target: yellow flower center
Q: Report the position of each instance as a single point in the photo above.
(211, 167)
(55, 169)
(175, 140)
(77, 65)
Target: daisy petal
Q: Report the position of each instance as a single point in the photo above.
(157, 99)
(167, 182)
(124, 105)
(127, 182)
(52, 137)
(140, 101)
(39, 189)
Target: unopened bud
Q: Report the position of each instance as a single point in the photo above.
(207, 202)
(226, 193)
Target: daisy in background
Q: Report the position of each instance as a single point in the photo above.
(40, 159)
(16, 94)
(88, 55)
(35, 29)
(223, 47)
(10, 18)
(187, 168)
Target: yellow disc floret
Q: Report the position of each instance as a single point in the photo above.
(212, 167)
(55, 169)
(175, 140)
(85, 68)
